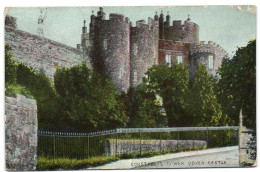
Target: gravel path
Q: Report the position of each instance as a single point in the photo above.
(217, 157)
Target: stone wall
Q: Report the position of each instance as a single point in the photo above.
(40, 53)
(20, 133)
(111, 48)
(144, 49)
(113, 147)
(245, 135)
(200, 53)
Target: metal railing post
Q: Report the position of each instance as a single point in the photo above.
(88, 146)
(207, 136)
(140, 143)
(53, 136)
(193, 137)
(229, 137)
(116, 144)
(178, 139)
(160, 142)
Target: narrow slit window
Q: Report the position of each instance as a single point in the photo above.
(210, 62)
(105, 44)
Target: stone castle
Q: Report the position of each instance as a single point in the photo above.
(125, 52)
(117, 48)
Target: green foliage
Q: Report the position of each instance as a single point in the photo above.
(72, 164)
(44, 163)
(203, 105)
(172, 85)
(237, 86)
(12, 89)
(10, 67)
(41, 87)
(88, 101)
(144, 108)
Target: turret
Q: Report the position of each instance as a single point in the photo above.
(92, 19)
(168, 18)
(156, 17)
(101, 13)
(161, 26)
(84, 35)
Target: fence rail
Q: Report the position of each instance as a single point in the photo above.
(132, 140)
(134, 130)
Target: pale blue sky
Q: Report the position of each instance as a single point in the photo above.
(229, 27)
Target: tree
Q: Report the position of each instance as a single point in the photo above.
(237, 85)
(171, 83)
(10, 66)
(203, 105)
(144, 110)
(88, 101)
(41, 87)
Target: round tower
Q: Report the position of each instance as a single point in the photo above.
(190, 32)
(111, 52)
(210, 55)
(144, 49)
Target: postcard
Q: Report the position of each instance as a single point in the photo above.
(125, 87)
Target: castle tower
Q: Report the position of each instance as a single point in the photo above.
(84, 40)
(210, 55)
(190, 31)
(161, 26)
(156, 17)
(111, 47)
(144, 49)
(168, 18)
(187, 32)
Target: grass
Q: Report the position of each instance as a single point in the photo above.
(13, 89)
(75, 164)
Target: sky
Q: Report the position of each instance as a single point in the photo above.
(228, 26)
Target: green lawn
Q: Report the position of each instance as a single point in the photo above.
(75, 164)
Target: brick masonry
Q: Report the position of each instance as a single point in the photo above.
(20, 133)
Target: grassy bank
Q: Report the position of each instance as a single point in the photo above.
(75, 164)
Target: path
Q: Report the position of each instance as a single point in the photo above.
(216, 157)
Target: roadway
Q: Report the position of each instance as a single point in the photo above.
(216, 157)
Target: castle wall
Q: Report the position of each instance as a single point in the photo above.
(118, 147)
(188, 32)
(144, 49)
(40, 53)
(20, 133)
(111, 51)
(167, 47)
(200, 53)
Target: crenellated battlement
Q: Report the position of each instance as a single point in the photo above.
(118, 18)
(151, 24)
(174, 46)
(210, 47)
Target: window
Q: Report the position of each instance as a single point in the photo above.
(135, 77)
(179, 59)
(168, 60)
(210, 59)
(120, 73)
(135, 49)
(105, 44)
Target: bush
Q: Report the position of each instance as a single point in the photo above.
(13, 89)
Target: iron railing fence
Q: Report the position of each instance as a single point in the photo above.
(132, 140)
